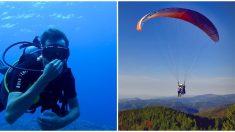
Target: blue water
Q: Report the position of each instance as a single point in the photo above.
(91, 29)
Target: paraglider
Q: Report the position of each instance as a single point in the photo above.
(188, 15)
(195, 18)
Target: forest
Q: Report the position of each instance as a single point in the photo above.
(163, 118)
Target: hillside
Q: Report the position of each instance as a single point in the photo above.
(161, 118)
(218, 112)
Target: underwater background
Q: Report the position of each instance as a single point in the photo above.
(91, 30)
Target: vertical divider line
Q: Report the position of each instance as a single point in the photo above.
(117, 89)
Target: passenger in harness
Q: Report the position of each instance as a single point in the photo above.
(181, 89)
(42, 79)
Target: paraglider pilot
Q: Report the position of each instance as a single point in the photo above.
(181, 89)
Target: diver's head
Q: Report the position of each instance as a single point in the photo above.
(54, 45)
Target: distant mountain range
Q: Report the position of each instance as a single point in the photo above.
(189, 105)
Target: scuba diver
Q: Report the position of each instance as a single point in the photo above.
(40, 78)
(181, 89)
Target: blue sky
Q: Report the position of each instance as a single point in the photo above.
(151, 61)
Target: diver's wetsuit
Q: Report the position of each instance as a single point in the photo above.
(62, 88)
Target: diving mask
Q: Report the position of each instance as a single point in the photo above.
(55, 51)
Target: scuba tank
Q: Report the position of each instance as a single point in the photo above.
(24, 44)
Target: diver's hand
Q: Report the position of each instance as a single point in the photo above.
(50, 121)
(52, 70)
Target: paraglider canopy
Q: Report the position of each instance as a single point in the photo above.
(188, 15)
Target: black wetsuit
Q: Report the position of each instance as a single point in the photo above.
(60, 89)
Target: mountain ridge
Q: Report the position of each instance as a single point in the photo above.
(190, 105)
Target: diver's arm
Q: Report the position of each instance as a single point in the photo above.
(51, 121)
(74, 112)
(19, 102)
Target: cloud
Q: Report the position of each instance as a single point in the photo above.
(20, 16)
(4, 13)
(7, 17)
(38, 15)
(8, 25)
(61, 16)
(39, 4)
(51, 26)
(12, 7)
(25, 16)
(25, 30)
(79, 17)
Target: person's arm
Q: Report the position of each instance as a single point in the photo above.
(74, 112)
(50, 121)
(71, 94)
(19, 102)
